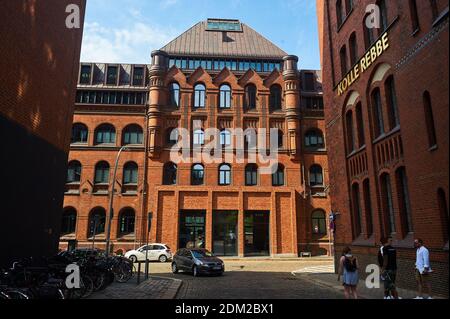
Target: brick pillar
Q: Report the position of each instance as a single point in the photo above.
(156, 101)
(209, 222)
(292, 98)
(241, 231)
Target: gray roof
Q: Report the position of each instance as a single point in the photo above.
(198, 41)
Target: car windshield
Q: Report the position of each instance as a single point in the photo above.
(201, 253)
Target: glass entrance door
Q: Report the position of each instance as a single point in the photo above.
(225, 233)
(192, 229)
(257, 233)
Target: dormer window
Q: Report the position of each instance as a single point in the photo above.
(85, 74)
(111, 77)
(224, 25)
(138, 76)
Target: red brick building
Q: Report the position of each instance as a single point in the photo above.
(386, 97)
(39, 57)
(218, 74)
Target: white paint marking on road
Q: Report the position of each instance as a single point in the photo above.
(326, 269)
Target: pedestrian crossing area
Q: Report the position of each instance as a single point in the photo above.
(322, 269)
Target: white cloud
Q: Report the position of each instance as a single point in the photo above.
(123, 45)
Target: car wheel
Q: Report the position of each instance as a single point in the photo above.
(163, 258)
(174, 268)
(133, 258)
(195, 271)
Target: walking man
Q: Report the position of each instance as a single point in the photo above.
(389, 269)
(423, 270)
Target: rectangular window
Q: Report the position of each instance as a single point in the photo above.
(184, 64)
(85, 74)
(234, 66)
(309, 82)
(209, 65)
(241, 66)
(216, 65)
(111, 77)
(191, 64)
(138, 76)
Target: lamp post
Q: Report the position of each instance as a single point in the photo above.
(111, 200)
(149, 226)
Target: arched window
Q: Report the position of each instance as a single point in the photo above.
(275, 98)
(74, 172)
(377, 111)
(199, 96)
(403, 201)
(198, 174)
(132, 134)
(199, 137)
(97, 221)
(394, 119)
(350, 131)
(250, 97)
(172, 136)
(369, 36)
(278, 176)
(319, 222)
(79, 134)
(69, 221)
(224, 175)
(388, 206)
(251, 175)
(383, 16)
(105, 134)
(414, 15)
(339, 13)
(360, 125)
(343, 57)
(225, 138)
(353, 48)
(356, 210)
(348, 6)
(101, 173)
(443, 209)
(174, 91)
(130, 173)
(225, 97)
(280, 139)
(316, 176)
(126, 222)
(429, 119)
(170, 174)
(368, 207)
(314, 139)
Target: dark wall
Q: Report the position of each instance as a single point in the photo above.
(32, 175)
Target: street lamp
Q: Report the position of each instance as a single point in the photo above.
(111, 199)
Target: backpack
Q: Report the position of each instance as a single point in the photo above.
(350, 265)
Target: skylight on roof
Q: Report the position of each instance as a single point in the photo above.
(224, 25)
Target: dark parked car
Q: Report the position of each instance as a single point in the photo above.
(197, 261)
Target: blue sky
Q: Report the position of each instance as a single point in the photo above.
(126, 31)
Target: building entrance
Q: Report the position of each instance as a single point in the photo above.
(192, 229)
(257, 233)
(225, 233)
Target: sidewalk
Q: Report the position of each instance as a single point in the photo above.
(153, 288)
(330, 281)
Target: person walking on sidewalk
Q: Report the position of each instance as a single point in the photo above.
(423, 270)
(389, 269)
(348, 269)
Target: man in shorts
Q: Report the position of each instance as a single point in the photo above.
(423, 270)
(389, 269)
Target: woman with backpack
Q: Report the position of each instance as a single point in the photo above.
(348, 269)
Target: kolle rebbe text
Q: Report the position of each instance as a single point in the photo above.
(364, 63)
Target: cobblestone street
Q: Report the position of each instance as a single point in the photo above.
(255, 279)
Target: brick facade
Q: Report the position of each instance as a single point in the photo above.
(39, 58)
(290, 206)
(407, 150)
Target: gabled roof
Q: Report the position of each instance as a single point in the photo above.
(199, 41)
